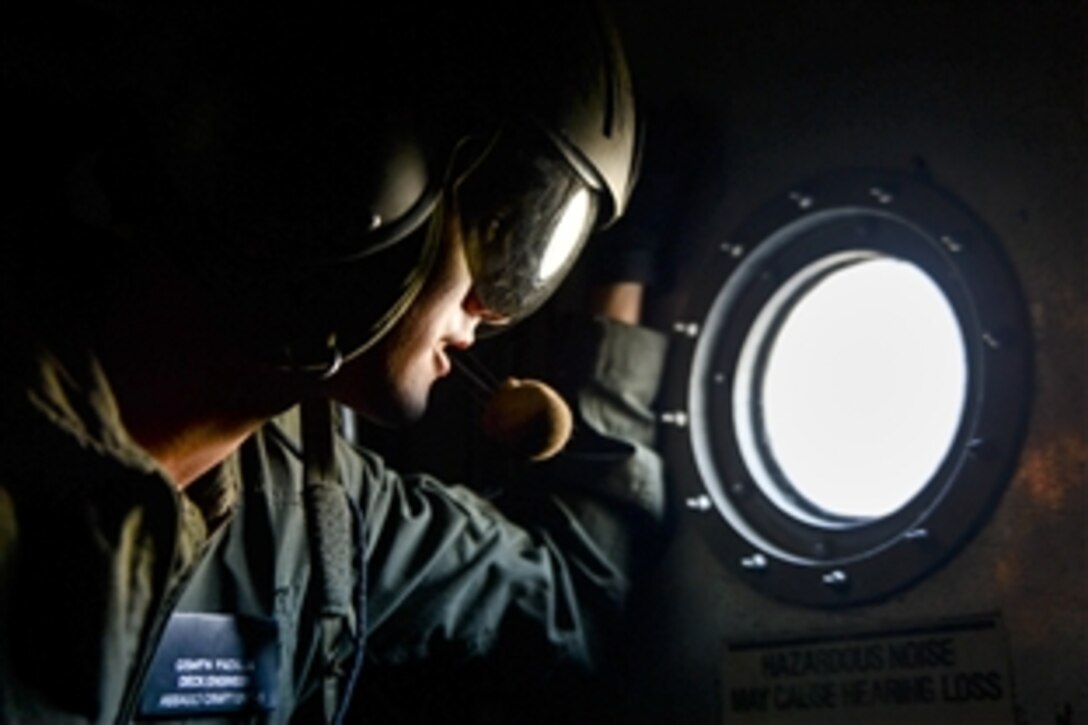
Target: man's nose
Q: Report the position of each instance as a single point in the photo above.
(475, 308)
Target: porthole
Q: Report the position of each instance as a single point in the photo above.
(851, 389)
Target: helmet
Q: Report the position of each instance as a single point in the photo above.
(301, 164)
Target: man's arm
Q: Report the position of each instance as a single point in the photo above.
(531, 585)
(621, 301)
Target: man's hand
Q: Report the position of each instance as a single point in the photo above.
(643, 253)
(619, 301)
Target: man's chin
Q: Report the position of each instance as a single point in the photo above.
(379, 399)
(394, 412)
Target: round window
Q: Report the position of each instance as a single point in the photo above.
(854, 389)
(827, 389)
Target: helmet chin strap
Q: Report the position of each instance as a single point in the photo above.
(333, 361)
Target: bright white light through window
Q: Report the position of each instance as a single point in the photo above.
(568, 233)
(864, 388)
(848, 348)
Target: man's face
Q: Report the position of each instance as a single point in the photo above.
(390, 383)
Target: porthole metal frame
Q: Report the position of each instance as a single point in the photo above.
(817, 559)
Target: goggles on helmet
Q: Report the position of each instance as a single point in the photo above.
(525, 213)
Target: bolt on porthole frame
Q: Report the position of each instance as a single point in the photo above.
(771, 537)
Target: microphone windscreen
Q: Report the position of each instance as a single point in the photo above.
(529, 418)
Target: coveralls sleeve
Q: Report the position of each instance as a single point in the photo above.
(533, 579)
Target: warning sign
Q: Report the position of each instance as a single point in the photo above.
(951, 672)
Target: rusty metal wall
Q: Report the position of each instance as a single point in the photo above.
(991, 98)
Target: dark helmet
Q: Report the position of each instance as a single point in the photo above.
(302, 161)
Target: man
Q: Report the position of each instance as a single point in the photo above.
(265, 214)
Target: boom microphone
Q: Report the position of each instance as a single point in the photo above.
(526, 416)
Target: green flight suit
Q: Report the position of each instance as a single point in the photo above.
(98, 549)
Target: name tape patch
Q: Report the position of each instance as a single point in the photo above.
(213, 664)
